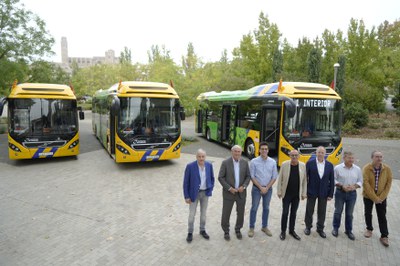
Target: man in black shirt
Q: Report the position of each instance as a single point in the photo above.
(292, 184)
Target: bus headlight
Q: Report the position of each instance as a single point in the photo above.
(339, 152)
(13, 147)
(177, 147)
(123, 150)
(73, 144)
(285, 151)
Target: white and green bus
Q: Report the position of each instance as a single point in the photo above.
(288, 115)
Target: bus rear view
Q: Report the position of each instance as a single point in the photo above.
(42, 121)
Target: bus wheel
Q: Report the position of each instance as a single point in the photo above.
(208, 134)
(249, 149)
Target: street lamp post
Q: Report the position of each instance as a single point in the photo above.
(336, 67)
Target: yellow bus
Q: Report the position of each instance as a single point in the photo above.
(138, 121)
(42, 121)
(288, 115)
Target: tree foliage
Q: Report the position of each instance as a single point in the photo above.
(23, 40)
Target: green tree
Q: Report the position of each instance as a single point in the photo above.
(125, 56)
(277, 65)
(45, 72)
(256, 51)
(191, 62)
(314, 65)
(23, 39)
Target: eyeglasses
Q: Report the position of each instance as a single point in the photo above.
(294, 155)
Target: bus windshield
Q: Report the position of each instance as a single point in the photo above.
(42, 117)
(314, 118)
(149, 117)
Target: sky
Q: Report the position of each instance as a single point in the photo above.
(93, 27)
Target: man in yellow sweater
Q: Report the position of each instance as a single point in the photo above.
(377, 182)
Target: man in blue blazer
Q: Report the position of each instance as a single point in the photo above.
(198, 184)
(320, 185)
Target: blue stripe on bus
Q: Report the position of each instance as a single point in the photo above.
(272, 89)
(36, 155)
(159, 153)
(147, 153)
(260, 88)
(53, 151)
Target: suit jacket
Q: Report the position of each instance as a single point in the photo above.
(283, 179)
(191, 180)
(320, 187)
(226, 177)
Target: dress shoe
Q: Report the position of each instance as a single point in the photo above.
(321, 233)
(350, 235)
(307, 231)
(251, 232)
(266, 231)
(295, 236)
(189, 237)
(368, 233)
(282, 236)
(227, 236)
(384, 241)
(335, 232)
(204, 234)
(238, 235)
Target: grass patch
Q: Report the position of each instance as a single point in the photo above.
(188, 140)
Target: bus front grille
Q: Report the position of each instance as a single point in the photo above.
(148, 146)
(44, 144)
(313, 150)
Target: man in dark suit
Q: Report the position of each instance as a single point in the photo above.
(234, 176)
(320, 186)
(198, 184)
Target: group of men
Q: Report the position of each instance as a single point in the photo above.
(314, 181)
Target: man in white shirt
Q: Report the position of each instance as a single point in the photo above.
(348, 177)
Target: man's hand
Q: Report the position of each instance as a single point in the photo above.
(264, 190)
(188, 201)
(240, 189)
(232, 190)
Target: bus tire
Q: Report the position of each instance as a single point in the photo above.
(249, 149)
(208, 134)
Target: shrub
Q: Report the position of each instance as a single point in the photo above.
(357, 114)
(349, 128)
(391, 133)
(386, 124)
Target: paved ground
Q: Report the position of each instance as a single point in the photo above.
(92, 211)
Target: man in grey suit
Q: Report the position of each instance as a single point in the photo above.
(234, 176)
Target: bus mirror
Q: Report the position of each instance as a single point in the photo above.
(81, 115)
(182, 113)
(291, 108)
(115, 105)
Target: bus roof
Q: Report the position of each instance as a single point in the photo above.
(288, 89)
(139, 89)
(41, 90)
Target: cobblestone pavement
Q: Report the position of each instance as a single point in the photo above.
(92, 211)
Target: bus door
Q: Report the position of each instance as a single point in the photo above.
(228, 124)
(270, 128)
(201, 121)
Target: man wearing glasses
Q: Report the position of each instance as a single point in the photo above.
(292, 184)
(263, 172)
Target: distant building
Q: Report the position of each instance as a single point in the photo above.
(67, 61)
